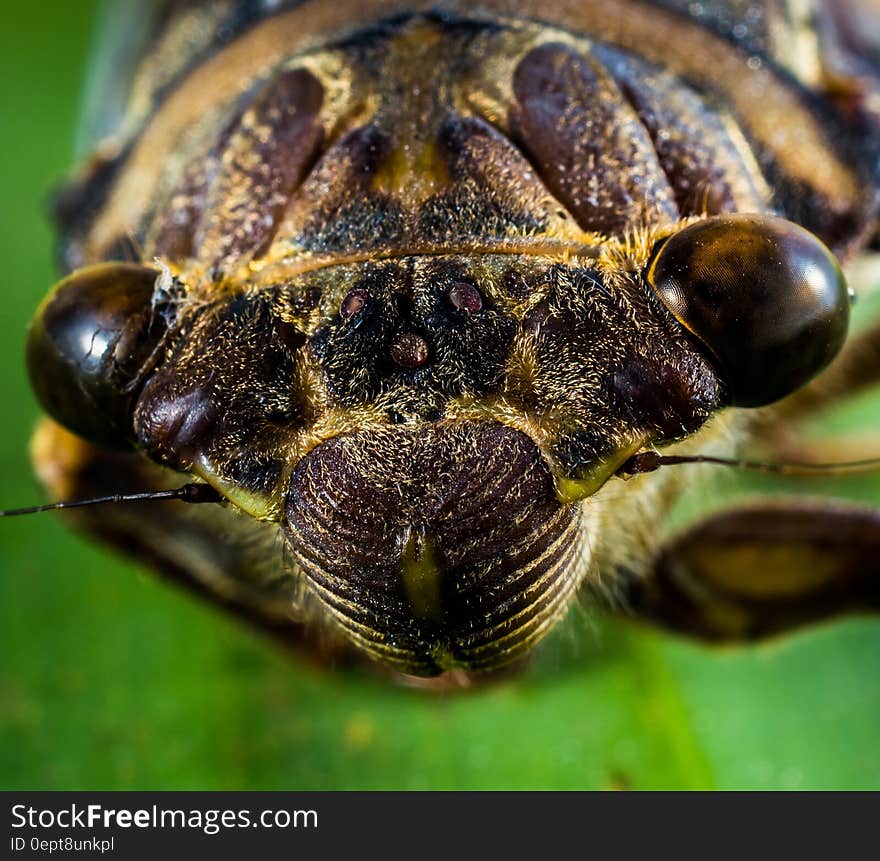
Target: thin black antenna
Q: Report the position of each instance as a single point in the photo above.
(649, 461)
(193, 493)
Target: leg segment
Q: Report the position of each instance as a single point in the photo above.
(757, 571)
(213, 551)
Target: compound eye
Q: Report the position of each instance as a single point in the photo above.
(765, 296)
(87, 347)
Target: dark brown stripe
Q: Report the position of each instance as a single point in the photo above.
(587, 142)
(707, 171)
(268, 155)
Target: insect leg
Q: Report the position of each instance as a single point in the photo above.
(753, 572)
(212, 551)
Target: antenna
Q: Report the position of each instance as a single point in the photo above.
(650, 461)
(192, 493)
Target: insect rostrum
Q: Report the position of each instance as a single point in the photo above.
(412, 282)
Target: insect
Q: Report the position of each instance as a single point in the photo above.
(403, 292)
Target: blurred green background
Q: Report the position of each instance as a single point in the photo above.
(111, 680)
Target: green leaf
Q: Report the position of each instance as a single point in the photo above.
(112, 680)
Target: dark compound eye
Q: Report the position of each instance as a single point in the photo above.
(88, 346)
(465, 297)
(765, 296)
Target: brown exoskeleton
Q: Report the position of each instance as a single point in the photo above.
(410, 287)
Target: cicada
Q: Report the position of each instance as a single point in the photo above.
(440, 306)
